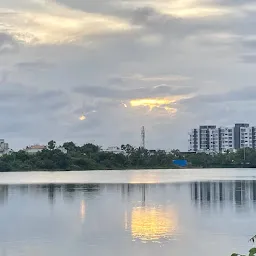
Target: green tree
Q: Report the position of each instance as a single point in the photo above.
(70, 146)
(252, 251)
(51, 145)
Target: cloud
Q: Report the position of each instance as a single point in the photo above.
(53, 23)
(184, 9)
(159, 78)
(219, 100)
(7, 44)
(34, 65)
(127, 94)
(187, 56)
(249, 58)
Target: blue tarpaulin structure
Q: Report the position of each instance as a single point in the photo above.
(181, 163)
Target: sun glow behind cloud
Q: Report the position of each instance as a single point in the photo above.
(82, 117)
(52, 23)
(151, 103)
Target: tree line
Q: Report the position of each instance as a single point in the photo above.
(91, 157)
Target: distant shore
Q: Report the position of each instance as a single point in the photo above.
(90, 157)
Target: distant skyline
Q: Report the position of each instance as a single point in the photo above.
(84, 71)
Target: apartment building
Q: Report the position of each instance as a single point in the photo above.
(205, 138)
(209, 138)
(4, 147)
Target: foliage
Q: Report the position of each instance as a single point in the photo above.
(252, 251)
(91, 157)
(51, 145)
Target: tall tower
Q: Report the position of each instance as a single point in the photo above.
(143, 137)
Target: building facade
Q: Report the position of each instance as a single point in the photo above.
(34, 149)
(4, 147)
(115, 150)
(222, 139)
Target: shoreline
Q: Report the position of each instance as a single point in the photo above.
(129, 177)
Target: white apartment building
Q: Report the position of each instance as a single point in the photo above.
(226, 139)
(39, 148)
(204, 139)
(115, 150)
(211, 139)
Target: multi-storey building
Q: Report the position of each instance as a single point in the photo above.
(205, 138)
(209, 138)
(226, 139)
(4, 147)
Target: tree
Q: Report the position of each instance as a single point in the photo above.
(70, 146)
(252, 251)
(89, 148)
(51, 145)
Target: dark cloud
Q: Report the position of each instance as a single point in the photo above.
(245, 94)
(170, 26)
(7, 44)
(251, 44)
(26, 100)
(34, 65)
(126, 93)
(249, 58)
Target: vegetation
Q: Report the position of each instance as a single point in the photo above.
(91, 157)
(252, 251)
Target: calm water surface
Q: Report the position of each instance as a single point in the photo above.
(183, 218)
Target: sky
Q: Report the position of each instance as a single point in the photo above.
(97, 71)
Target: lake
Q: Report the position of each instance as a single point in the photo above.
(140, 213)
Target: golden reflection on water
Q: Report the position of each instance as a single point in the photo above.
(151, 224)
(145, 178)
(82, 210)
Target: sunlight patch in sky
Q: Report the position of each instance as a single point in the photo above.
(152, 103)
(82, 117)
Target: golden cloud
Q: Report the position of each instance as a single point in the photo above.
(52, 23)
(151, 103)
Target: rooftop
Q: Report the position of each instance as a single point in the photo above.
(36, 147)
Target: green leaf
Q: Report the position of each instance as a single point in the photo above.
(235, 254)
(252, 252)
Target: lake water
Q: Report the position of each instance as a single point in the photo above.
(140, 213)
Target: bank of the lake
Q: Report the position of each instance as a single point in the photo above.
(91, 157)
(124, 177)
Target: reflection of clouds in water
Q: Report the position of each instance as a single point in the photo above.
(152, 224)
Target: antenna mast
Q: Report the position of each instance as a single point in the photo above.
(143, 137)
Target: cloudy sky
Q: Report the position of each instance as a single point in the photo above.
(98, 70)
